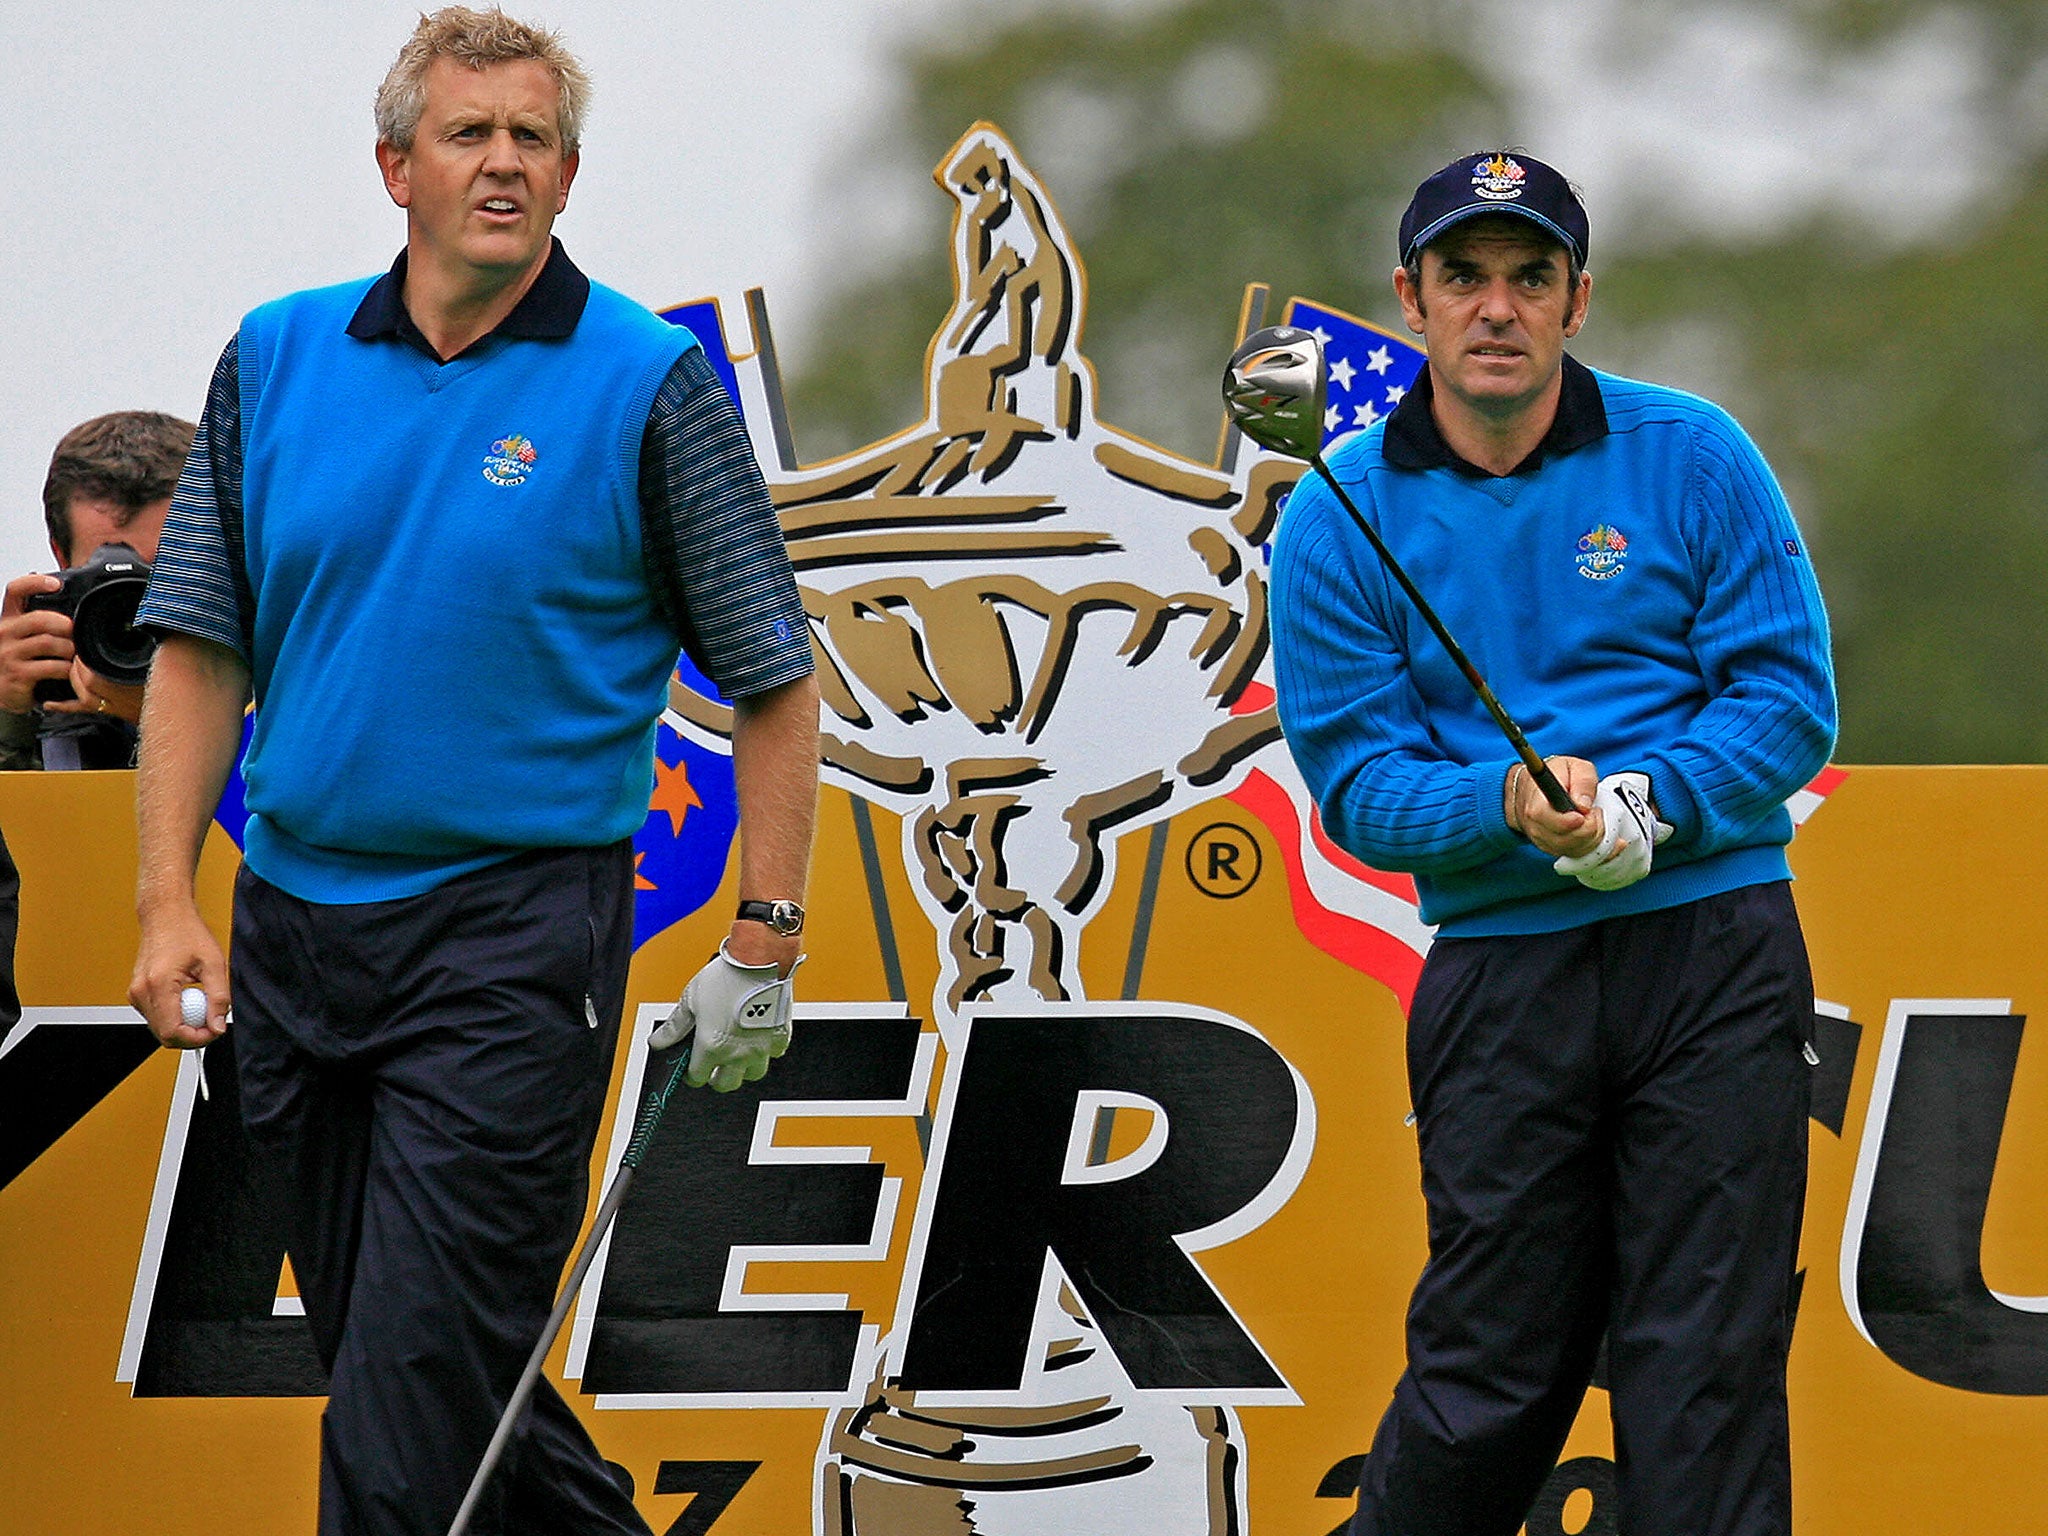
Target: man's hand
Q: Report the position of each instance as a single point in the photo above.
(1557, 833)
(178, 951)
(193, 722)
(1633, 829)
(35, 646)
(737, 1018)
(97, 696)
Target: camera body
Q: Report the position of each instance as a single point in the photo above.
(100, 598)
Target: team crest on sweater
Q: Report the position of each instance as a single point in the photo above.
(1602, 553)
(510, 460)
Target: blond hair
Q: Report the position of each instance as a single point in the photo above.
(478, 39)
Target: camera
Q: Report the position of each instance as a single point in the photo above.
(100, 598)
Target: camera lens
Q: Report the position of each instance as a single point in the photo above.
(103, 629)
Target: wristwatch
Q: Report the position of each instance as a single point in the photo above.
(785, 917)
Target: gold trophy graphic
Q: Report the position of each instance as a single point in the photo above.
(1032, 630)
(1034, 633)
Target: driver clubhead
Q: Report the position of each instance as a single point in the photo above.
(1273, 390)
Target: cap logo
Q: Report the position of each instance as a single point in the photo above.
(1498, 178)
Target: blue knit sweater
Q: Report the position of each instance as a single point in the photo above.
(1643, 601)
(456, 653)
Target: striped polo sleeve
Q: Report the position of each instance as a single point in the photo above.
(198, 584)
(711, 541)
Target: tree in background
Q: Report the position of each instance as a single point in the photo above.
(1190, 149)
(1898, 383)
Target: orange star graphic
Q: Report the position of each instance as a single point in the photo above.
(640, 881)
(673, 793)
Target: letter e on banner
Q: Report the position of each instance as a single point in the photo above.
(1235, 1124)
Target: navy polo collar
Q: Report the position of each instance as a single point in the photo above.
(548, 311)
(1413, 442)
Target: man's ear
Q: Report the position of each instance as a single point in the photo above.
(1581, 298)
(62, 563)
(393, 163)
(1411, 300)
(569, 167)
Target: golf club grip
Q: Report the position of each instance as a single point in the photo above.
(654, 1106)
(1546, 781)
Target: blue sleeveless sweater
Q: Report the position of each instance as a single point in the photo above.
(1643, 601)
(456, 653)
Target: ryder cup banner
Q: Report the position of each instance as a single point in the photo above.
(1085, 1201)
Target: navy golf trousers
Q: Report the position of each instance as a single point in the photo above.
(435, 1069)
(1612, 1124)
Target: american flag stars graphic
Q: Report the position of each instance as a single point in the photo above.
(1370, 370)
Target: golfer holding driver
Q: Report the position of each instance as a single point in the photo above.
(1607, 1051)
(452, 524)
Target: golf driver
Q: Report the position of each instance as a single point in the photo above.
(1273, 389)
(644, 1123)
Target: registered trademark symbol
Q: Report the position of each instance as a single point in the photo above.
(1224, 860)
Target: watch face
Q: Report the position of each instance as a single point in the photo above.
(785, 917)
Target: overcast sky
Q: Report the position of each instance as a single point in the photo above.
(178, 161)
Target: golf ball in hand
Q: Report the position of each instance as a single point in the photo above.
(192, 1004)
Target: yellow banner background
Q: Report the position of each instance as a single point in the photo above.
(1915, 883)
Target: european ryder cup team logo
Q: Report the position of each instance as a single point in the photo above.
(1499, 178)
(1602, 553)
(510, 460)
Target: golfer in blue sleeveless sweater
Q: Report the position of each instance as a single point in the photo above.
(450, 526)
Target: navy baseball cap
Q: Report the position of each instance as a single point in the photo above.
(1495, 182)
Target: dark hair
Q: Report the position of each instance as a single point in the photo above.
(128, 459)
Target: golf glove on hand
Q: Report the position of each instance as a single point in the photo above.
(1631, 830)
(738, 1018)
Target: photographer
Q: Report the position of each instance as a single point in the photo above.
(110, 482)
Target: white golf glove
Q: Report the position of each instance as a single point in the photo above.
(738, 1017)
(1631, 830)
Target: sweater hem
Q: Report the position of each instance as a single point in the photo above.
(1577, 907)
(348, 877)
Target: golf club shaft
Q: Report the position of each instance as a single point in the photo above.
(643, 1133)
(528, 1378)
(1539, 771)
